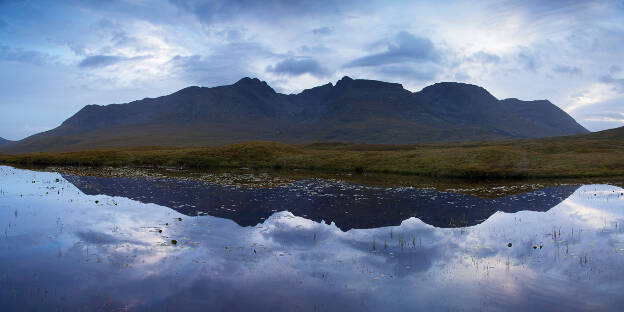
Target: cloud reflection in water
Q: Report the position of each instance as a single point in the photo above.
(59, 249)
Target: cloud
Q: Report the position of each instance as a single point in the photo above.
(529, 60)
(232, 34)
(407, 72)
(535, 11)
(121, 39)
(226, 64)
(214, 11)
(404, 48)
(322, 31)
(298, 66)
(602, 115)
(570, 70)
(614, 69)
(612, 117)
(592, 95)
(99, 238)
(500, 45)
(462, 77)
(98, 61)
(315, 49)
(612, 80)
(210, 70)
(8, 53)
(609, 79)
(484, 57)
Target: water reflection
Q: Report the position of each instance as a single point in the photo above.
(62, 249)
(347, 205)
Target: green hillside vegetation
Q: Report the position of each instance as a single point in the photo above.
(599, 154)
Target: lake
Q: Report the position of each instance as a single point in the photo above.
(72, 242)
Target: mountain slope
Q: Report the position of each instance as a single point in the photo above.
(363, 111)
(4, 141)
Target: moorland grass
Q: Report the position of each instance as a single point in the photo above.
(593, 155)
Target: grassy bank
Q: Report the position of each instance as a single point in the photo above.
(593, 155)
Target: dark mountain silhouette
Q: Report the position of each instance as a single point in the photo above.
(362, 111)
(348, 205)
(4, 141)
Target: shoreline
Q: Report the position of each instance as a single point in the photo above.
(269, 178)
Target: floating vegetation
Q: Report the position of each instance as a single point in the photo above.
(257, 178)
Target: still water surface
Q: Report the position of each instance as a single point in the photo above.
(94, 243)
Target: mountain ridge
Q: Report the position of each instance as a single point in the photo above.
(4, 141)
(352, 110)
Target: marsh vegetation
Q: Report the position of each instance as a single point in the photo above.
(592, 155)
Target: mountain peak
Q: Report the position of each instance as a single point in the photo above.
(516, 101)
(344, 81)
(253, 83)
(349, 83)
(455, 85)
(457, 89)
(354, 110)
(248, 80)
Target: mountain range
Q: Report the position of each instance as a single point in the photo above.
(251, 206)
(352, 110)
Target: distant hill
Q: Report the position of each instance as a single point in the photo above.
(4, 141)
(360, 111)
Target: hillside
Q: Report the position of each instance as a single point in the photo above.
(597, 154)
(4, 141)
(360, 111)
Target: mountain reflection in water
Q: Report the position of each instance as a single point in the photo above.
(347, 205)
(62, 249)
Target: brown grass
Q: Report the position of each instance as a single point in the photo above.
(593, 155)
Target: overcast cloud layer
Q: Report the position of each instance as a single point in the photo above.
(57, 56)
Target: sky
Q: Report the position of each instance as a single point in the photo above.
(58, 56)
